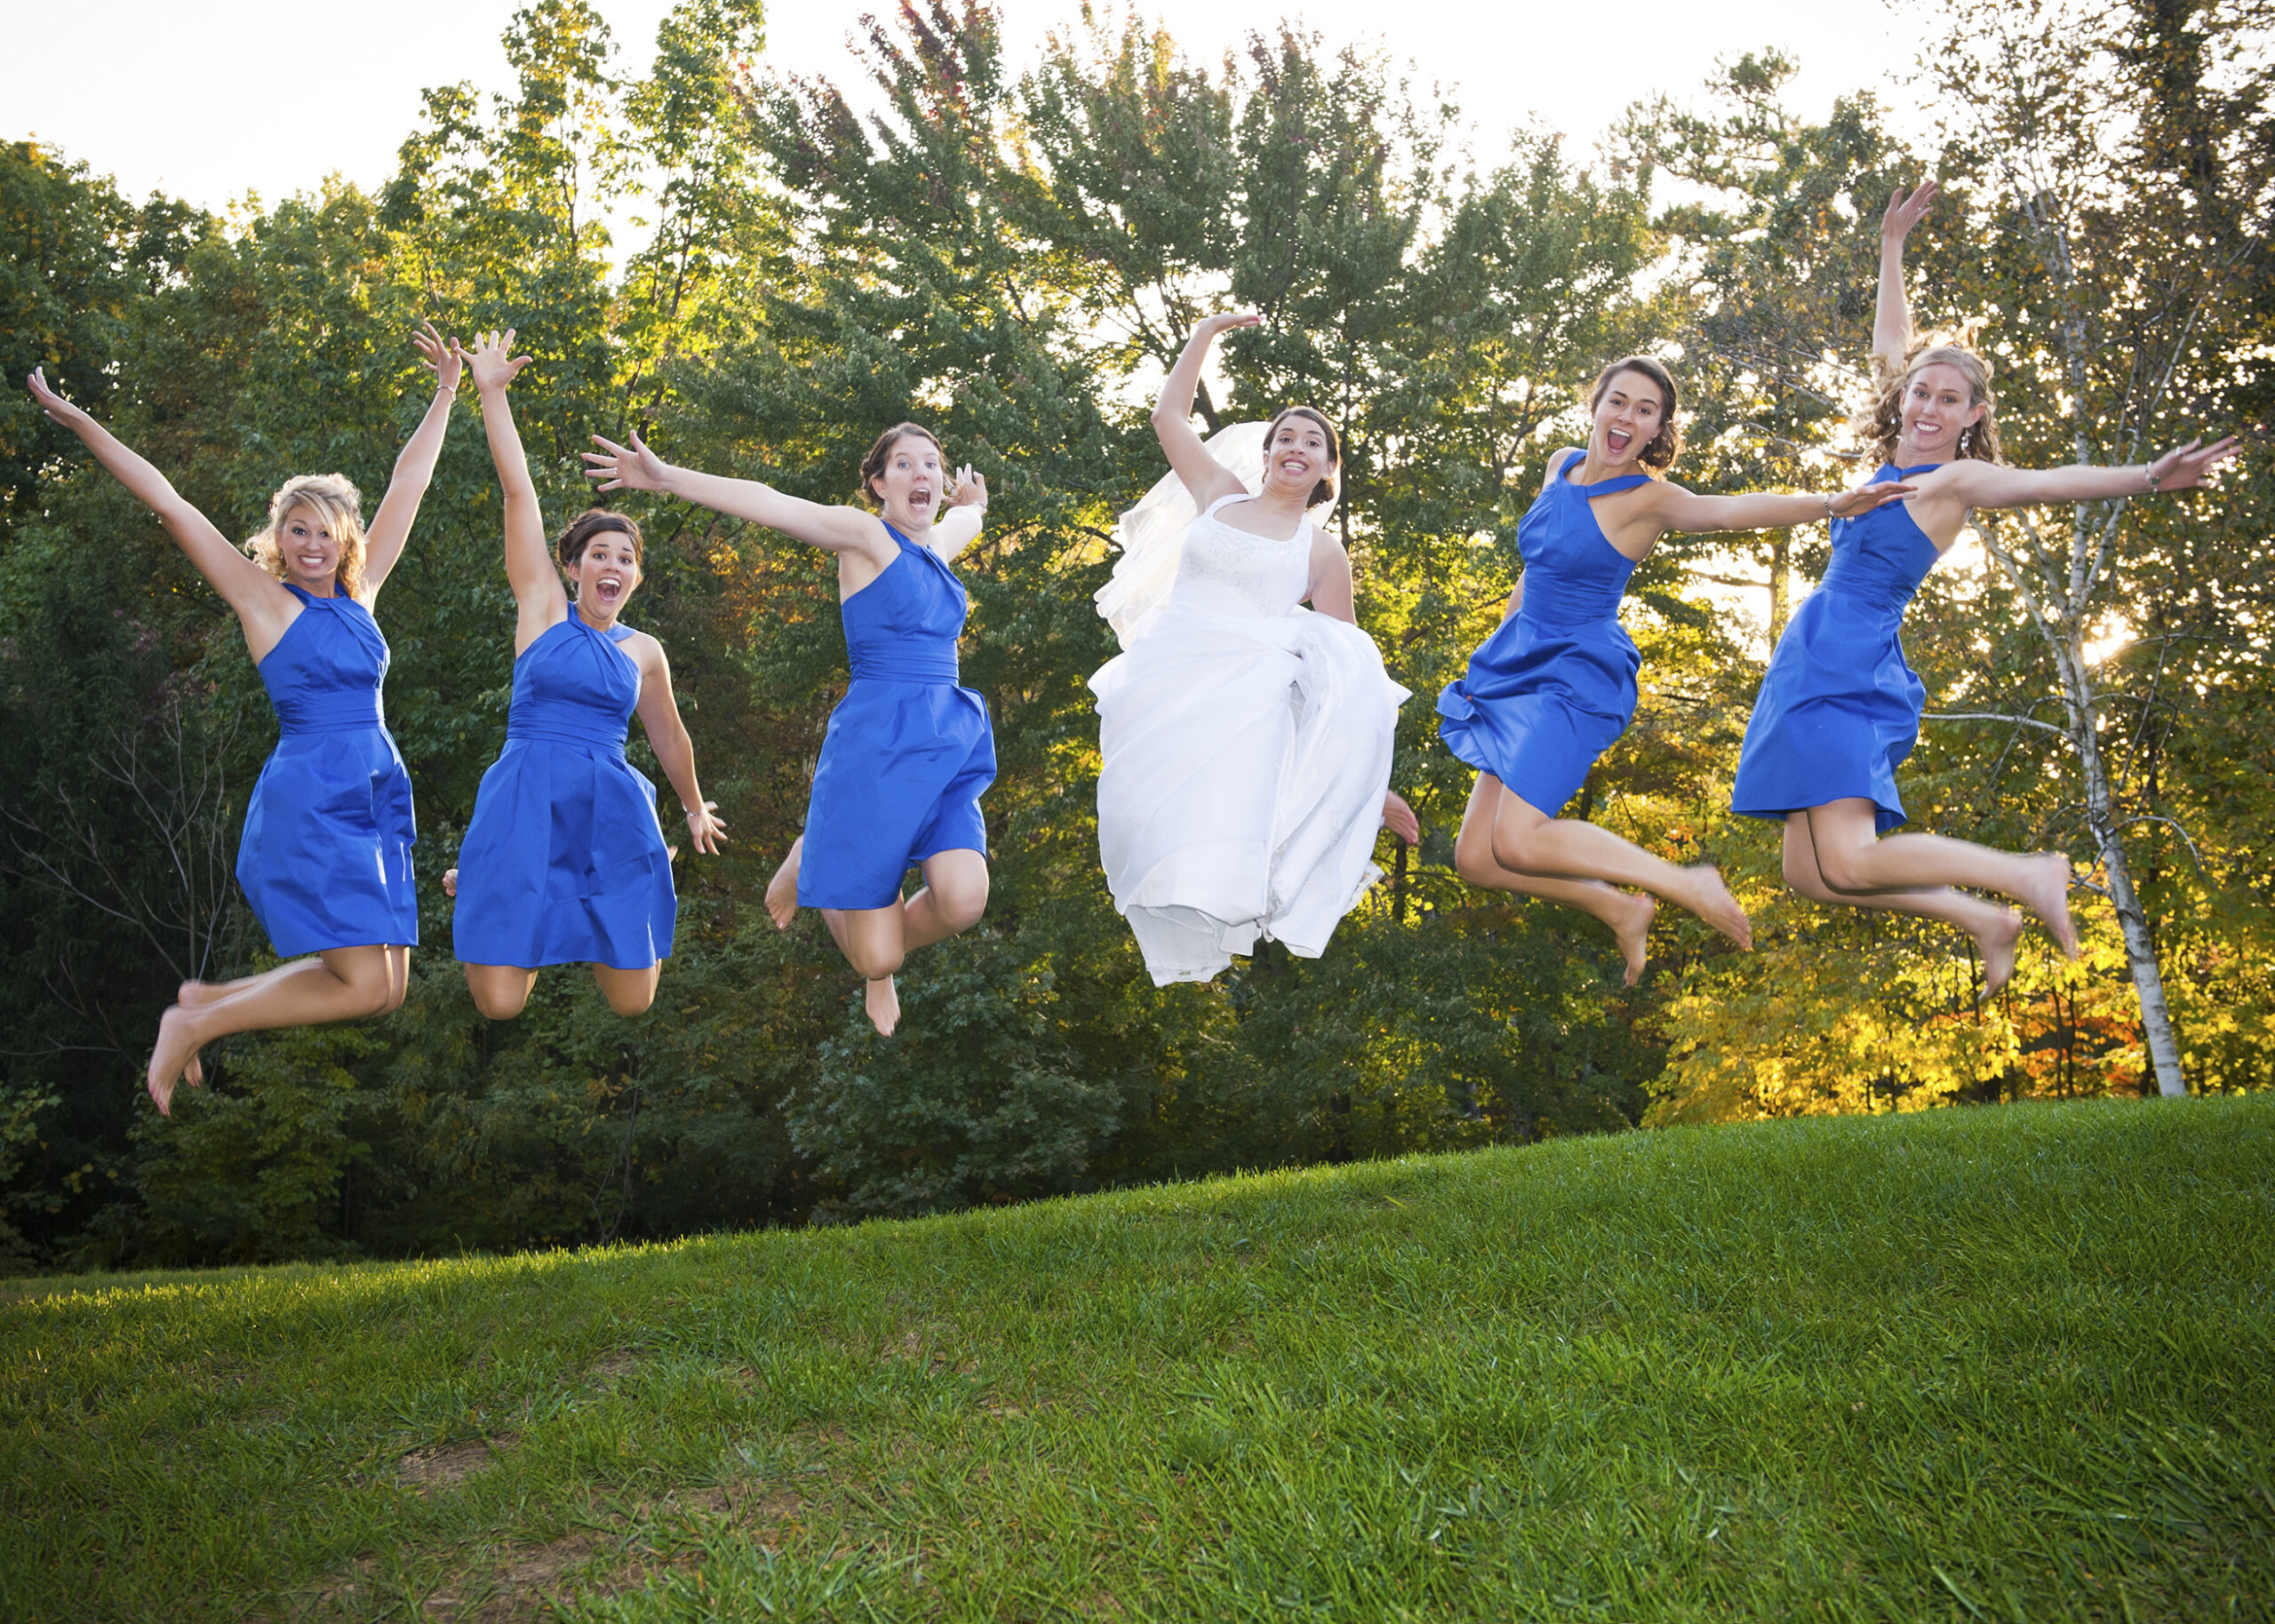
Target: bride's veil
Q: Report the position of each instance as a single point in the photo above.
(1151, 534)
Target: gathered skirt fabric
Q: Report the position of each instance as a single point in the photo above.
(1539, 702)
(1244, 763)
(325, 857)
(564, 863)
(902, 769)
(1837, 712)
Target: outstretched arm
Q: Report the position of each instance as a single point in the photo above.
(263, 607)
(1892, 310)
(960, 526)
(1984, 484)
(1205, 479)
(833, 528)
(414, 467)
(539, 600)
(1678, 509)
(674, 751)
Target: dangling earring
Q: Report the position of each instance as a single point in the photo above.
(1966, 438)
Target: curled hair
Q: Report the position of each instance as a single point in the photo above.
(873, 465)
(1324, 491)
(1665, 445)
(595, 522)
(1885, 426)
(335, 501)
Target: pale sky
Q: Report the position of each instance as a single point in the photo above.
(209, 102)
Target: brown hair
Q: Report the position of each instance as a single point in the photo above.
(873, 465)
(1324, 491)
(334, 499)
(1667, 443)
(1979, 440)
(595, 522)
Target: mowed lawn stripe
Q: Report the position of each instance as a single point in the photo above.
(2001, 1363)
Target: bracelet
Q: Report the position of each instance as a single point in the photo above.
(2152, 477)
(1829, 513)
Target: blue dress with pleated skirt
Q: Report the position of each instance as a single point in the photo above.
(1554, 685)
(909, 751)
(325, 859)
(564, 862)
(1840, 707)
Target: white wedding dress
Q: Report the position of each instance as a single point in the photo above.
(1246, 742)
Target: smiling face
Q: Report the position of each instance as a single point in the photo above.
(1630, 412)
(1299, 459)
(310, 550)
(605, 575)
(1938, 403)
(912, 483)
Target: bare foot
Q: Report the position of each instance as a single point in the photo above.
(1716, 905)
(782, 890)
(1997, 946)
(881, 999)
(191, 995)
(2047, 895)
(1634, 934)
(175, 1048)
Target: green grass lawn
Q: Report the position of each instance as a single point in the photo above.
(2000, 1364)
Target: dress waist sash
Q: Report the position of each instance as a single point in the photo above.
(908, 665)
(349, 713)
(564, 733)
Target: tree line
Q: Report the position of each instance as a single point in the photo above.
(1011, 253)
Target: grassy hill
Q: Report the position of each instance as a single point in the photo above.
(1995, 1364)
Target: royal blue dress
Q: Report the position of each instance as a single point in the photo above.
(1555, 683)
(908, 752)
(565, 861)
(326, 860)
(1839, 707)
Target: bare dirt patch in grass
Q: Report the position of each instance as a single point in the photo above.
(445, 1466)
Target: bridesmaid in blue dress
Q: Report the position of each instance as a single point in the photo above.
(1839, 708)
(325, 857)
(1551, 688)
(564, 862)
(909, 751)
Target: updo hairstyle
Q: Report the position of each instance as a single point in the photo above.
(1665, 445)
(873, 465)
(595, 522)
(1324, 491)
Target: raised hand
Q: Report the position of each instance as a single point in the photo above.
(1905, 212)
(969, 490)
(1399, 818)
(53, 404)
(492, 360)
(705, 826)
(1863, 498)
(439, 356)
(2185, 466)
(619, 467)
(1209, 327)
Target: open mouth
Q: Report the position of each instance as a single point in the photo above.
(609, 588)
(919, 497)
(1617, 440)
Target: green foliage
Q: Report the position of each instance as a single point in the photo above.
(1010, 252)
(1995, 1364)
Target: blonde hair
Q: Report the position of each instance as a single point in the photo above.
(334, 499)
(1885, 426)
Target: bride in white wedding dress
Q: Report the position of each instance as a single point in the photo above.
(1246, 739)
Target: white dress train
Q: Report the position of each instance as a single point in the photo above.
(1247, 750)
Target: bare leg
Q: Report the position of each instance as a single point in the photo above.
(1628, 914)
(1526, 840)
(1995, 929)
(782, 890)
(876, 941)
(629, 992)
(501, 990)
(340, 983)
(1853, 860)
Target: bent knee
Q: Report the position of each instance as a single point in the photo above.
(631, 1003)
(875, 965)
(960, 913)
(1473, 860)
(1515, 852)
